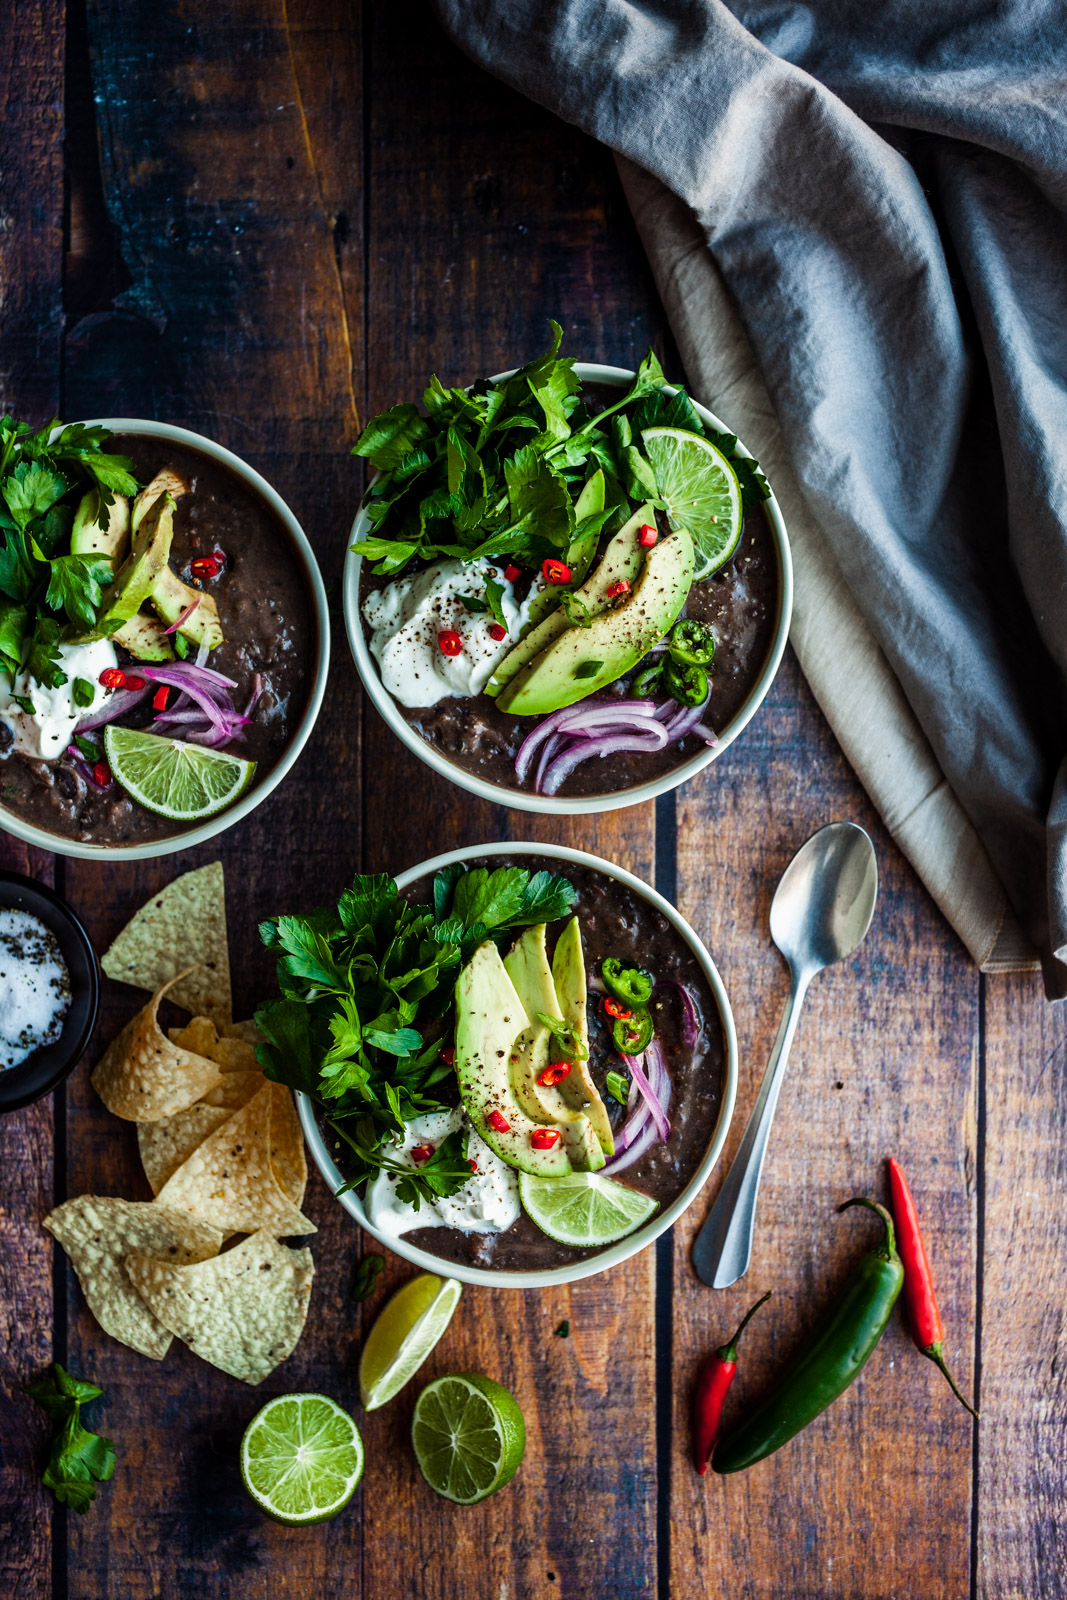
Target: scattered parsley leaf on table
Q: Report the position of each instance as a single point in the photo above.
(79, 1460)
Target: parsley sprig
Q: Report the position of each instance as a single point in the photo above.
(78, 1460)
(365, 992)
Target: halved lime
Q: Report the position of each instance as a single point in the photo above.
(468, 1435)
(584, 1208)
(701, 492)
(406, 1331)
(182, 781)
(301, 1458)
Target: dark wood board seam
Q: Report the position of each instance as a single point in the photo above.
(980, 1222)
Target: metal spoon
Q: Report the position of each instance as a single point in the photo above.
(820, 913)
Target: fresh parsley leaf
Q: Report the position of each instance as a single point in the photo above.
(443, 884)
(387, 438)
(42, 662)
(491, 898)
(75, 587)
(564, 1329)
(473, 604)
(447, 1170)
(494, 595)
(617, 1086)
(367, 1276)
(30, 490)
(24, 703)
(13, 620)
(78, 1459)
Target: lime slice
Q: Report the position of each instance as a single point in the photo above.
(468, 1435)
(403, 1336)
(301, 1458)
(174, 779)
(701, 492)
(584, 1208)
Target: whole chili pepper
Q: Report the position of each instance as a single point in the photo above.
(923, 1315)
(847, 1337)
(716, 1376)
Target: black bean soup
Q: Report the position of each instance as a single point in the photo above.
(270, 640)
(614, 922)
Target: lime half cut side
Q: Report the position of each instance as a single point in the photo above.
(301, 1458)
(468, 1435)
(700, 490)
(584, 1208)
(406, 1331)
(177, 780)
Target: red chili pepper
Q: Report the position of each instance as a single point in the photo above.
(421, 1153)
(919, 1295)
(497, 632)
(554, 1073)
(133, 681)
(449, 643)
(448, 1055)
(512, 573)
(621, 587)
(102, 774)
(648, 536)
(220, 556)
(545, 1138)
(716, 1376)
(498, 1122)
(113, 678)
(160, 698)
(615, 1008)
(556, 571)
(204, 567)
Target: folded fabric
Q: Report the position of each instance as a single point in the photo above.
(881, 193)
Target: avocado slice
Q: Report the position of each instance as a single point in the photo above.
(137, 576)
(170, 597)
(527, 967)
(89, 538)
(489, 1021)
(166, 481)
(579, 555)
(568, 976)
(145, 639)
(621, 559)
(615, 641)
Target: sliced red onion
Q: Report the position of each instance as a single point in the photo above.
(691, 1023)
(184, 673)
(641, 1131)
(641, 1146)
(564, 764)
(548, 753)
(186, 614)
(114, 706)
(259, 683)
(599, 727)
(654, 1057)
(708, 735)
(554, 723)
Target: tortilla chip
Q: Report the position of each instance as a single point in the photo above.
(244, 1311)
(229, 1181)
(165, 1145)
(244, 1030)
(144, 1077)
(230, 1054)
(235, 1089)
(99, 1234)
(182, 927)
(287, 1153)
(199, 1035)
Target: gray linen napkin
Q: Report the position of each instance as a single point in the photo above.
(880, 193)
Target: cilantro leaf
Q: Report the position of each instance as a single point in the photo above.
(78, 1459)
(75, 587)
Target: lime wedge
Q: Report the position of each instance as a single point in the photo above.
(182, 781)
(584, 1209)
(468, 1435)
(406, 1331)
(301, 1458)
(701, 492)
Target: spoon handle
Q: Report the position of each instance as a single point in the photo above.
(723, 1248)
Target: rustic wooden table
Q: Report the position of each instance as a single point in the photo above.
(279, 219)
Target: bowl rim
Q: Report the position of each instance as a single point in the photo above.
(41, 896)
(545, 1278)
(552, 805)
(80, 850)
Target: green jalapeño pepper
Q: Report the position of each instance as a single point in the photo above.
(632, 1035)
(631, 985)
(688, 684)
(692, 643)
(842, 1345)
(646, 682)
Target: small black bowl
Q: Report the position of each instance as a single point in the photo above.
(46, 1068)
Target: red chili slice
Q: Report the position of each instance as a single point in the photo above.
(615, 1008)
(113, 678)
(545, 1138)
(621, 587)
(449, 643)
(102, 774)
(421, 1153)
(448, 1055)
(160, 698)
(204, 567)
(498, 1122)
(556, 571)
(133, 681)
(554, 1073)
(512, 573)
(648, 536)
(497, 632)
(472, 1164)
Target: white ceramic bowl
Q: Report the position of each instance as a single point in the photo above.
(321, 625)
(664, 1219)
(616, 377)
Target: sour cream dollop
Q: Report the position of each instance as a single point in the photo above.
(46, 732)
(34, 987)
(407, 616)
(487, 1203)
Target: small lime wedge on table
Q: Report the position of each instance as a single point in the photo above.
(406, 1331)
(700, 490)
(301, 1458)
(172, 778)
(583, 1208)
(468, 1435)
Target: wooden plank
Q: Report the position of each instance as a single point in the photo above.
(486, 218)
(224, 139)
(873, 1500)
(1022, 1456)
(31, 323)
